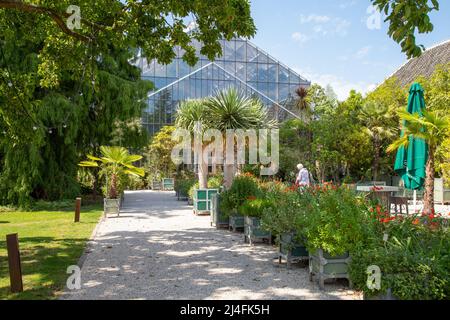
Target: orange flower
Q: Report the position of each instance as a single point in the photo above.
(416, 221)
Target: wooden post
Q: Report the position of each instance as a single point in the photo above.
(15, 268)
(77, 209)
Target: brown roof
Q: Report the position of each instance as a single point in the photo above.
(423, 65)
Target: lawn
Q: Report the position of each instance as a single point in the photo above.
(49, 242)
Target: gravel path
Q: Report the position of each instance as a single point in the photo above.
(158, 249)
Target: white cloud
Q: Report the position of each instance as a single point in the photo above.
(341, 86)
(348, 4)
(323, 25)
(363, 52)
(300, 37)
(314, 18)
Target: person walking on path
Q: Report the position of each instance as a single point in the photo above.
(302, 177)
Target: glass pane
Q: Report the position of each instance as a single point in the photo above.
(272, 91)
(172, 69)
(230, 67)
(283, 74)
(160, 70)
(283, 91)
(230, 51)
(272, 73)
(183, 68)
(294, 78)
(262, 57)
(252, 74)
(241, 70)
(262, 72)
(240, 50)
(252, 53)
(262, 87)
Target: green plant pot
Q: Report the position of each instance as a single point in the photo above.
(168, 184)
(253, 231)
(218, 219)
(325, 266)
(291, 250)
(202, 200)
(236, 223)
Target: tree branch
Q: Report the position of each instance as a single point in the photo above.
(19, 5)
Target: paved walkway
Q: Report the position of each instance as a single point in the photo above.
(158, 249)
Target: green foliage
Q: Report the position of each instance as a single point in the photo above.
(414, 261)
(158, 162)
(242, 188)
(405, 18)
(334, 219)
(115, 164)
(255, 207)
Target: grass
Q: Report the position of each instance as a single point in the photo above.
(49, 242)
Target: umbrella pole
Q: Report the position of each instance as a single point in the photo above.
(415, 201)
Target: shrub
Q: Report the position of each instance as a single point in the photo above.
(414, 261)
(214, 182)
(243, 188)
(253, 207)
(334, 219)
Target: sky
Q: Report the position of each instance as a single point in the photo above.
(336, 42)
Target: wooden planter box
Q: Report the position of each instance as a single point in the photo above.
(168, 184)
(202, 201)
(323, 266)
(253, 231)
(156, 185)
(111, 206)
(290, 250)
(236, 223)
(218, 219)
(181, 196)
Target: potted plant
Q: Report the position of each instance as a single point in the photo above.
(201, 198)
(252, 210)
(243, 187)
(333, 224)
(182, 187)
(280, 219)
(218, 218)
(412, 260)
(115, 165)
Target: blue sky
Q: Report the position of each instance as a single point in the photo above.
(329, 42)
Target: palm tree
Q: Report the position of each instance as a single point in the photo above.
(302, 103)
(189, 115)
(433, 128)
(376, 120)
(232, 109)
(114, 162)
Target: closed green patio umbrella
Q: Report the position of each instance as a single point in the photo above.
(411, 160)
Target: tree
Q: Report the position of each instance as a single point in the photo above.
(405, 17)
(191, 115)
(232, 109)
(115, 162)
(158, 158)
(433, 127)
(66, 92)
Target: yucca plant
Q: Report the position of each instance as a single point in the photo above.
(434, 129)
(114, 162)
(233, 109)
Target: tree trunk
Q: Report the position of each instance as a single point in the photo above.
(203, 175)
(228, 175)
(428, 199)
(113, 187)
(376, 159)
